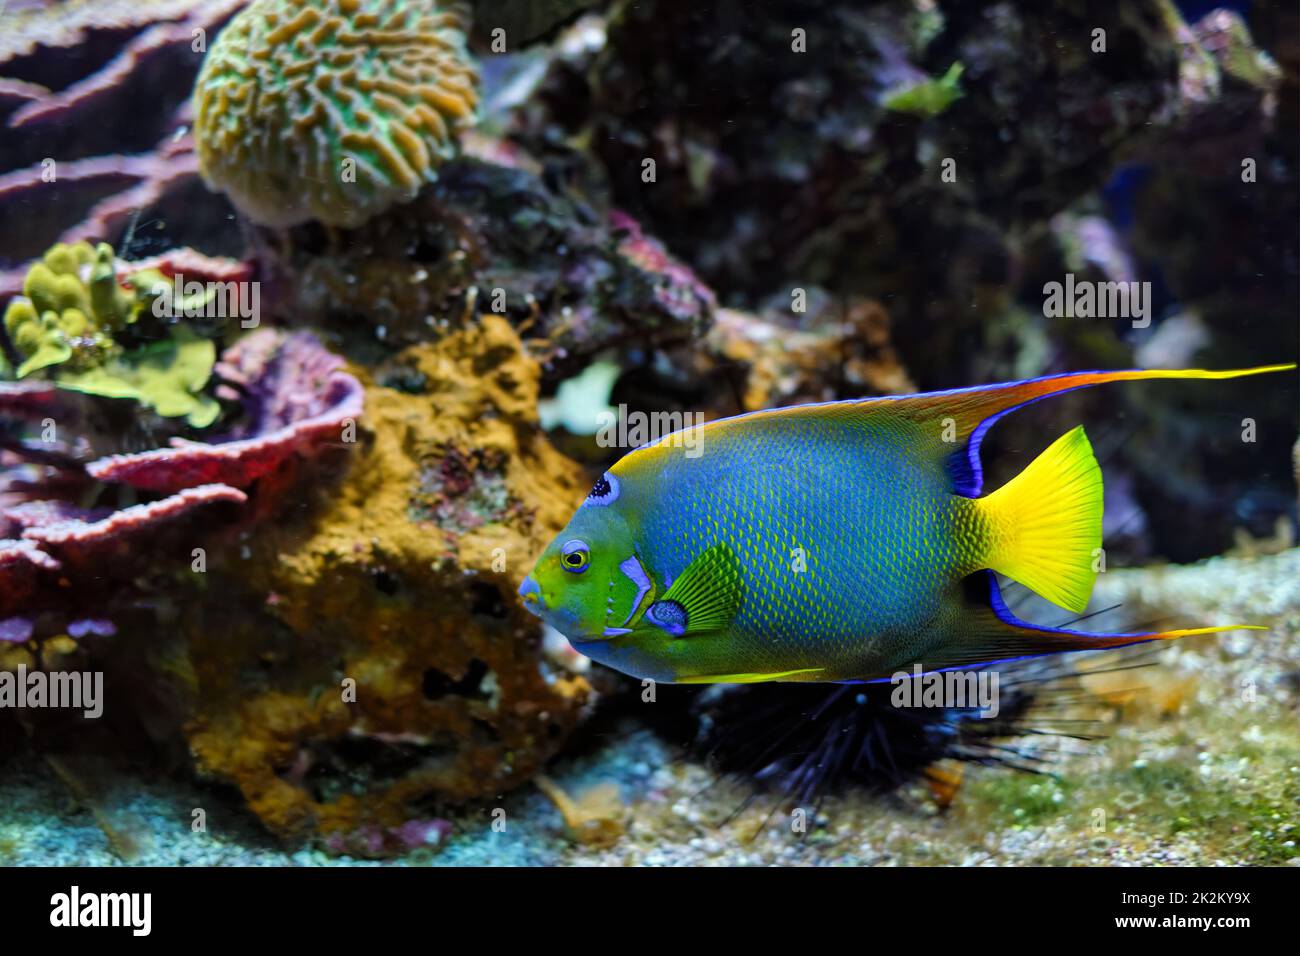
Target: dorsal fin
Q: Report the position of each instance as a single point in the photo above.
(973, 411)
(958, 419)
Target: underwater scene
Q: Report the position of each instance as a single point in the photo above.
(649, 433)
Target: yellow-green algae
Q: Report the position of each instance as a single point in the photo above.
(66, 326)
(929, 97)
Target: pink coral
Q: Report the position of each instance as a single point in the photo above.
(145, 179)
(82, 542)
(163, 25)
(677, 289)
(26, 555)
(62, 564)
(27, 399)
(296, 397)
(58, 538)
(195, 265)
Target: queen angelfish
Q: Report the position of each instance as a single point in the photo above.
(841, 541)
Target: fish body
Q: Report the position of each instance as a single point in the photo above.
(845, 541)
(835, 542)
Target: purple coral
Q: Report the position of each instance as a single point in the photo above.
(281, 380)
(295, 396)
(62, 565)
(145, 180)
(162, 26)
(136, 142)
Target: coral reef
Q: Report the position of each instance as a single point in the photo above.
(92, 331)
(494, 239)
(395, 580)
(63, 564)
(121, 68)
(293, 395)
(395, 572)
(331, 110)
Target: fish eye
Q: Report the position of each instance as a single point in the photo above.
(574, 556)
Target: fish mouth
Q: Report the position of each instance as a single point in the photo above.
(531, 594)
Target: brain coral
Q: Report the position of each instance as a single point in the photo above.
(331, 110)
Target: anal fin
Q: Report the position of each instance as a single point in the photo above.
(987, 632)
(805, 674)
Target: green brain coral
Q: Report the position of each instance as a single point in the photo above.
(67, 323)
(332, 110)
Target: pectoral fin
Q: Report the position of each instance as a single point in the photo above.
(704, 598)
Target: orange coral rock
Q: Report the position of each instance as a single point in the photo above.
(385, 661)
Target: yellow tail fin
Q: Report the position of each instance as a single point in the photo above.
(1044, 525)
